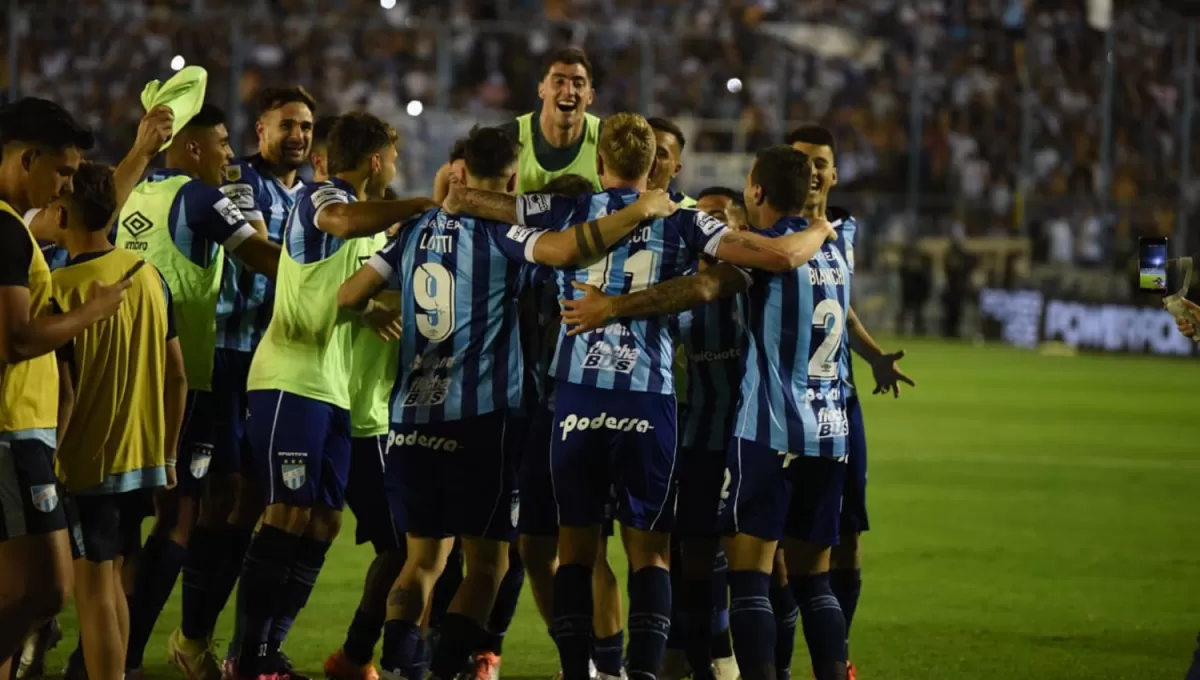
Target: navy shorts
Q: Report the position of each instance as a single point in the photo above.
(701, 476)
(538, 515)
(854, 497)
(301, 449)
(613, 444)
(772, 495)
(456, 478)
(107, 526)
(214, 439)
(367, 498)
(30, 495)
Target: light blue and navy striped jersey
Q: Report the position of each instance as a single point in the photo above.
(847, 229)
(244, 308)
(632, 355)
(793, 397)
(713, 340)
(201, 219)
(460, 353)
(305, 242)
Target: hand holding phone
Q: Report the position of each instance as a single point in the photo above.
(1152, 265)
(133, 270)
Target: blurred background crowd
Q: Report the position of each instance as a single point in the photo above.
(955, 118)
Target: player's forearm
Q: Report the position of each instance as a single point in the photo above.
(46, 334)
(356, 293)
(860, 340)
(367, 218)
(670, 297)
(584, 243)
(260, 255)
(489, 205)
(128, 173)
(800, 247)
(174, 406)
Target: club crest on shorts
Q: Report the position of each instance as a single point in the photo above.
(514, 512)
(45, 497)
(201, 458)
(293, 475)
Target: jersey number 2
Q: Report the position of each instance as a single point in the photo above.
(433, 293)
(828, 316)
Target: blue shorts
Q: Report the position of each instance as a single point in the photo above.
(701, 475)
(771, 496)
(366, 497)
(214, 439)
(854, 497)
(301, 449)
(608, 444)
(455, 478)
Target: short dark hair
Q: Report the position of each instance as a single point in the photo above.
(489, 152)
(569, 56)
(271, 98)
(93, 196)
(784, 175)
(354, 137)
(320, 133)
(568, 185)
(732, 195)
(813, 134)
(209, 116)
(41, 122)
(668, 126)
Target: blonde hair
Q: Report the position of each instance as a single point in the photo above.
(627, 146)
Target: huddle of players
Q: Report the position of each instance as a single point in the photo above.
(457, 398)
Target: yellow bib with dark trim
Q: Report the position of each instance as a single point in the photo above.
(118, 423)
(531, 176)
(29, 389)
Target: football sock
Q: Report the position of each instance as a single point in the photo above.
(752, 624)
(573, 629)
(649, 620)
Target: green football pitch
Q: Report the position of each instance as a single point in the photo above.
(1032, 517)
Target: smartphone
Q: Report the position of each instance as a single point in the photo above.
(133, 270)
(1152, 265)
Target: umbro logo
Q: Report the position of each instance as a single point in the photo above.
(136, 224)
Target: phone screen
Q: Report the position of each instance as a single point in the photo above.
(1152, 265)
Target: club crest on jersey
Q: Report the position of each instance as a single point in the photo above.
(293, 475)
(231, 173)
(45, 497)
(201, 458)
(602, 356)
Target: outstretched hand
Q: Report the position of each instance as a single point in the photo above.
(888, 375)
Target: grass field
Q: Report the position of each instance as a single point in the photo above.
(1033, 517)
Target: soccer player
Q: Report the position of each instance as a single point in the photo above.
(299, 381)
(126, 369)
(461, 375)
(819, 145)
(668, 157)
(41, 147)
(754, 492)
(263, 186)
(561, 137)
(319, 158)
(179, 221)
(615, 404)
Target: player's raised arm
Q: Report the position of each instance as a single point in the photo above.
(364, 290)
(774, 254)
(343, 219)
(888, 375)
(584, 243)
(595, 309)
(153, 132)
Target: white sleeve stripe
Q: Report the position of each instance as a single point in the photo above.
(714, 243)
(29, 215)
(239, 237)
(381, 266)
(529, 246)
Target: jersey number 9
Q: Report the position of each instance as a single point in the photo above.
(433, 293)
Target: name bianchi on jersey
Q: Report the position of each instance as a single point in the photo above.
(827, 277)
(602, 356)
(574, 423)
